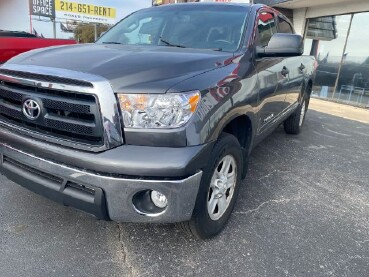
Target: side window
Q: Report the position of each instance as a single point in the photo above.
(284, 26)
(266, 28)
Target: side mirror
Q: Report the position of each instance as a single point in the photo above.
(282, 45)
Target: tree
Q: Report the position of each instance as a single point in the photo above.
(85, 33)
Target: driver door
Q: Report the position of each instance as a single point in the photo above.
(270, 79)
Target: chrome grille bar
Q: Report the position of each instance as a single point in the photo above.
(82, 117)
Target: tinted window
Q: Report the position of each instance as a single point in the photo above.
(200, 27)
(266, 28)
(16, 34)
(285, 27)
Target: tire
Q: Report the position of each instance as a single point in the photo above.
(293, 124)
(217, 193)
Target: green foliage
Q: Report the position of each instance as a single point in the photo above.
(85, 33)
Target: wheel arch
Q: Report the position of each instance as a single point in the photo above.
(244, 134)
(306, 88)
(242, 127)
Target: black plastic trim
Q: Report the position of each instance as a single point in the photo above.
(85, 198)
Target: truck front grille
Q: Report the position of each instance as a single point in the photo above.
(65, 115)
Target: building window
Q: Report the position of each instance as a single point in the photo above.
(353, 80)
(327, 51)
(339, 45)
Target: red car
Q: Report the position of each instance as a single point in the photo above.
(14, 43)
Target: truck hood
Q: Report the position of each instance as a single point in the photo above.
(143, 69)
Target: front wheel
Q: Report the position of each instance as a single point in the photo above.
(218, 189)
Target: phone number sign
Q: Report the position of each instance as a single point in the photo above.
(85, 12)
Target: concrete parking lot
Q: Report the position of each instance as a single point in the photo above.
(303, 210)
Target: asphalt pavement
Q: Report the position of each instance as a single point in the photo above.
(303, 210)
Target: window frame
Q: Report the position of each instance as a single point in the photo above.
(285, 19)
(256, 36)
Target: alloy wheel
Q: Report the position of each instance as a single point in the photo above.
(222, 187)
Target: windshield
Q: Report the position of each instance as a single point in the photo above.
(217, 27)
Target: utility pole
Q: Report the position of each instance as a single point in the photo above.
(30, 18)
(95, 28)
(54, 26)
(342, 57)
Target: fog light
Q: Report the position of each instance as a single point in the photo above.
(159, 199)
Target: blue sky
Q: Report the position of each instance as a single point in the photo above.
(124, 7)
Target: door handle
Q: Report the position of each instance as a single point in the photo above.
(302, 67)
(285, 71)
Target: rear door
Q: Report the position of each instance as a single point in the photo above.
(270, 79)
(295, 67)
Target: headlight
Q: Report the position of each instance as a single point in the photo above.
(170, 110)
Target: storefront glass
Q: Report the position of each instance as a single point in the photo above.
(328, 54)
(343, 57)
(353, 82)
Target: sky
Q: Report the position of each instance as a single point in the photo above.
(14, 14)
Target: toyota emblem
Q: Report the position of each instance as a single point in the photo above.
(31, 109)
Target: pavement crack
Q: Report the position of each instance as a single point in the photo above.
(337, 133)
(355, 257)
(360, 242)
(324, 135)
(263, 204)
(268, 175)
(316, 147)
(124, 254)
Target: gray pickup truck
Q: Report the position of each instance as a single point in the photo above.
(155, 121)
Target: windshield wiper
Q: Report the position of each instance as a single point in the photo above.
(171, 44)
(111, 42)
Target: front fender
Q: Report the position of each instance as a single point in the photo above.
(225, 95)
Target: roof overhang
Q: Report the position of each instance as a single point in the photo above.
(296, 4)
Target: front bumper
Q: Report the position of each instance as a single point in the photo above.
(105, 197)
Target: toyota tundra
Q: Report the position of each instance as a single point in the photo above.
(155, 121)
